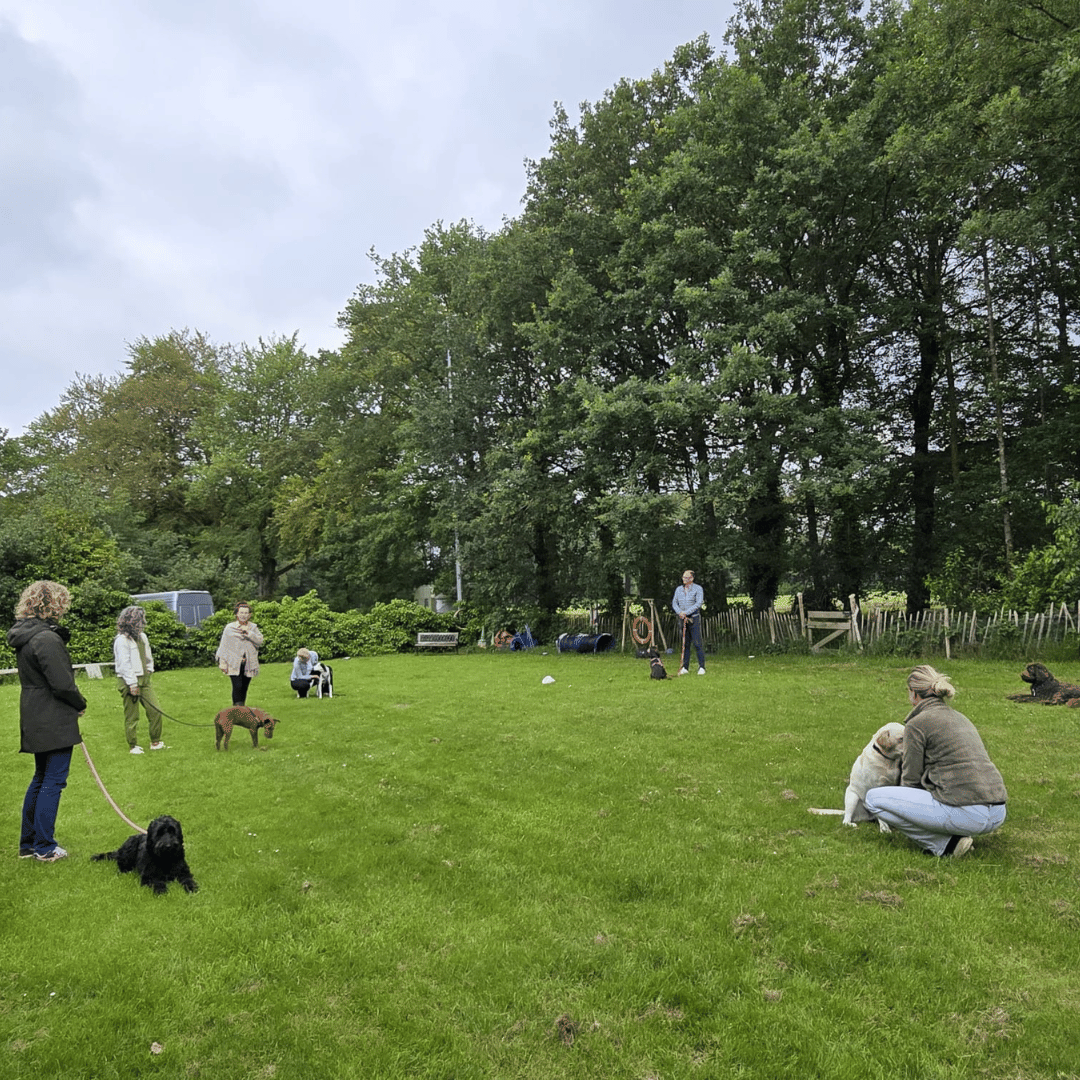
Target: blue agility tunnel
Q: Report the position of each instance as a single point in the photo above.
(585, 643)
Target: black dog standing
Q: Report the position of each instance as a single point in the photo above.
(158, 856)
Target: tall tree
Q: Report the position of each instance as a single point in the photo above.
(257, 441)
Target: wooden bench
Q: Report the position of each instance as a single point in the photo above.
(437, 641)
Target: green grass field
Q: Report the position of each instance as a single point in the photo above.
(451, 870)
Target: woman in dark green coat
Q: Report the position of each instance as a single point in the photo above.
(49, 711)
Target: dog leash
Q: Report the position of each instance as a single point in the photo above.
(186, 723)
(104, 791)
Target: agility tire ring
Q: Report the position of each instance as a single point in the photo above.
(641, 630)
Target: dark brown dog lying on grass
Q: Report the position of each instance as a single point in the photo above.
(1046, 690)
(242, 716)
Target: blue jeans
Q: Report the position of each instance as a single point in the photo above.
(692, 633)
(43, 801)
(931, 824)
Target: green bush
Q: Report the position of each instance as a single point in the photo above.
(1004, 643)
(307, 621)
(902, 642)
(393, 627)
(543, 626)
(172, 642)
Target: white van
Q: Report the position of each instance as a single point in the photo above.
(190, 606)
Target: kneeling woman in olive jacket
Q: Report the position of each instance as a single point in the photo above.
(949, 789)
(49, 711)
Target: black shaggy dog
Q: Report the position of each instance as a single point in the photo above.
(1045, 689)
(242, 716)
(158, 856)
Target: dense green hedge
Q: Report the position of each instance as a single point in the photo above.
(307, 621)
(286, 625)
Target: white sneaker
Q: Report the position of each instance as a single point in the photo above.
(57, 853)
(963, 846)
(701, 671)
(158, 746)
(683, 671)
(136, 750)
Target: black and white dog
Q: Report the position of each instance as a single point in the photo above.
(322, 679)
(157, 856)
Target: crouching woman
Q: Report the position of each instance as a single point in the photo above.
(950, 789)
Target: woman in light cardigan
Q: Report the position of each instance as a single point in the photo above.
(134, 664)
(238, 652)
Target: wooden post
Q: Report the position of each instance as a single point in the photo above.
(654, 623)
(856, 636)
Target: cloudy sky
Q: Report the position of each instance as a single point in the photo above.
(227, 165)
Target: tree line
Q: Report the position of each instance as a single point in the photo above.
(798, 314)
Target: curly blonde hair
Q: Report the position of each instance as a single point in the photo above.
(926, 682)
(46, 600)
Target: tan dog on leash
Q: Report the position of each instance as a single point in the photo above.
(245, 717)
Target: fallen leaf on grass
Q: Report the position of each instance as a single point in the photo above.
(743, 923)
(566, 1029)
(812, 888)
(886, 899)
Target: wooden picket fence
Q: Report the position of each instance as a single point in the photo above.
(944, 632)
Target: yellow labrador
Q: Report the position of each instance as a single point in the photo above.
(877, 766)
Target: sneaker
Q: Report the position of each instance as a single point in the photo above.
(963, 846)
(57, 853)
(136, 750)
(683, 671)
(158, 746)
(701, 671)
(26, 853)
